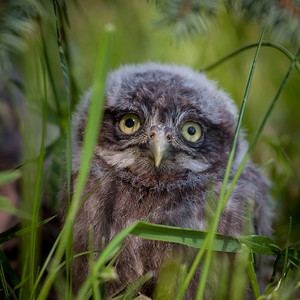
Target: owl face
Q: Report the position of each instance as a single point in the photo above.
(165, 119)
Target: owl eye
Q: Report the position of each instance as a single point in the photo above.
(191, 131)
(129, 123)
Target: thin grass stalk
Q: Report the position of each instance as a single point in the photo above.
(122, 249)
(24, 277)
(279, 47)
(289, 293)
(92, 191)
(285, 264)
(7, 269)
(69, 247)
(36, 197)
(239, 276)
(45, 265)
(95, 288)
(92, 129)
(3, 281)
(59, 267)
(262, 126)
(252, 276)
(222, 199)
(50, 74)
(107, 253)
(267, 115)
(14, 232)
(182, 276)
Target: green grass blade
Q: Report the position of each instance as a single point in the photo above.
(15, 231)
(92, 191)
(222, 199)
(260, 244)
(9, 176)
(262, 126)
(9, 208)
(94, 279)
(130, 292)
(285, 268)
(106, 255)
(36, 197)
(69, 249)
(279, 47)
(50, 75)
(182, 276)
(188, 237)
(252, 276)
(90, 137)
(239, 275)
(7, 269)
(45, 265)
(3, 281)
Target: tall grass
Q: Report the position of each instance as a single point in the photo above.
(37, 278)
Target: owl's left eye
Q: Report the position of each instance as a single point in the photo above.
(191, 131)
(129, 123)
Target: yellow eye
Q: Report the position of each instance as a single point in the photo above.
(191, 131)
(130, 123)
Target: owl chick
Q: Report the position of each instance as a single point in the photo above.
(169, 131)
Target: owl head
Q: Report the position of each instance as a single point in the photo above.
(161, 122)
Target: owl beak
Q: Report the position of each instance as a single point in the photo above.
(158, 145)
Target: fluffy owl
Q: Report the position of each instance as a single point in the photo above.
(169, 131)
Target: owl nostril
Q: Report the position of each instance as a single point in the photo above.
(169, 137)
(152, 135)
(154, 131)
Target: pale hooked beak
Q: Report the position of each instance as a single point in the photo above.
(160, 138)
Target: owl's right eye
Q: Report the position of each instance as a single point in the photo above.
(129, 123)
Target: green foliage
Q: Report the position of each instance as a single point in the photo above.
(184, 17)
(187, 17)
(16, 19)
(38, 33)
(282, 18)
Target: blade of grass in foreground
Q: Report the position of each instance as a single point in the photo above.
(189, 237)
(3, 281)
(262, 125)
(12, 210)
(37, 196)
(9, 176)
(260, 130)
(15, 231)
(90, 137)
(58, 8)
(222, 199)
(5, 264)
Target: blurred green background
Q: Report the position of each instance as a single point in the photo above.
(137, 39)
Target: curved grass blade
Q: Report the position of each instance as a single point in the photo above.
(3, 281)
(260, 244)
(15, 231)
(37, 188)
(9, 176)
(12, 276)
(279, 47)
(222, 198)
(12, 210)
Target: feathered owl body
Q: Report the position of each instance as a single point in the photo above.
(167, 131)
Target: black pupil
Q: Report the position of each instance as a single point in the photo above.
(129, 123)
(191, 130)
